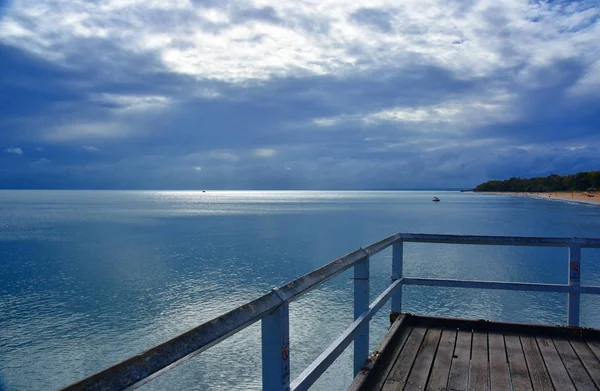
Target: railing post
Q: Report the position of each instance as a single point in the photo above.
(397, 258)
(361, 303)
(574, 280)
(276, 349)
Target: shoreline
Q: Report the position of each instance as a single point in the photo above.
(578, 197)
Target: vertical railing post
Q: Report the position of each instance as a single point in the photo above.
(276, 349)
(397, 258)
(361, 303)
(574, 280)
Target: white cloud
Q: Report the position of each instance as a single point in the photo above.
(85, 130)
(223, 155)
(198, 168)
(43, 162)
(90, 148)
(128, 103)
(264, 152)
(316, 37)
(327, 122)
(14, 150)
(466, 113)
(471, 114)
(218, 155)
(589, 84)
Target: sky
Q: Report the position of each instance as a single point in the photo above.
(296, 94)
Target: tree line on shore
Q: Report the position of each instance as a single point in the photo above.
(581, 181)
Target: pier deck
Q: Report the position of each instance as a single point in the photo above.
(429, 353)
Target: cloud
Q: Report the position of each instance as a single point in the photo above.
(223, 155)
(86, 131)
(90, 148)
(472, 41)
(378, 19)
(377, 95)
(264, 152)
(476, 112)
(131, 102)
(42, 162)
(14, 150)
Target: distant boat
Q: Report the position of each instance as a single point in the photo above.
(435, 199)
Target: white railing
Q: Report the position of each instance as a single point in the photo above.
(273, 310)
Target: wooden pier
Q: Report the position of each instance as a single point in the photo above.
(419, 353)
(428, 353)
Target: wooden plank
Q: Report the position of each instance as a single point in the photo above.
(516, 361)
(424, 361)
(595, 346)
(499, 375)
(396, 380)
(479, 378)
(589, 360)
(574, 366)
(540, 378)
(438, 379)
(504, 327)
(381, 360)
(459, 372)
(557, 371)
(383, 369)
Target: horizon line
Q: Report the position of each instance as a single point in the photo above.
(200, 190)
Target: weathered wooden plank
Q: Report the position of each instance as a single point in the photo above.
(588, 358)
(384, 368)
(574, 366)
(516, 360)
(504, 327)
(556, 369)
(396, 380)
(540, 378)
(595, 346)
(459, 372)
(422, 366)
(438, 379)
(479, 378)
(499, 375)
(381, 360)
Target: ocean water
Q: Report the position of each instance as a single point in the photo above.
(89, 278)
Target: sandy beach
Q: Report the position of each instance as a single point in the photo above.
(581, 197)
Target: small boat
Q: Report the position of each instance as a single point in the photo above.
(435, 199)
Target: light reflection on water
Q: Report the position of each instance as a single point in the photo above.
(90, 278)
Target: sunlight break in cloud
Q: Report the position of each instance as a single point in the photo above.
(265, 39)
(465, 113)
(473, 114)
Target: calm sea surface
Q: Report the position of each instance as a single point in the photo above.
(89, 278)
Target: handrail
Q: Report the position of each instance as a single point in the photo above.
(500, 240)
(272, 308)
